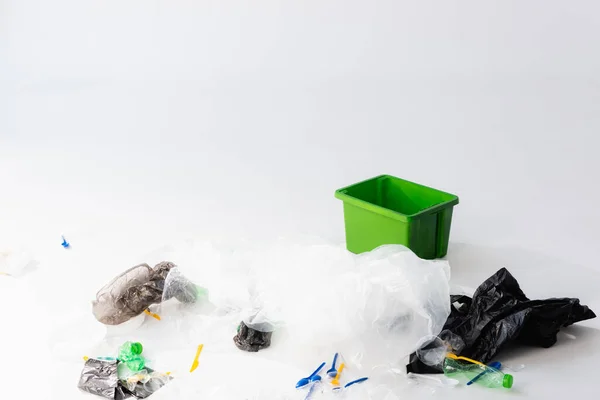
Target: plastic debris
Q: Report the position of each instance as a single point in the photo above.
(354, 382)
(64, 243)
(124, 377)
(131, 293)
(130, 356)
(372, 308)
(151, 382)
(177, 286)
(100, 378)
(311, 378)
(151, 314)
(332, 372)
(336, 381)
(196, 357)
(496, 364)
(16, 263)
(498, 314)
(251, 339)
(465, 369)
(85, 358)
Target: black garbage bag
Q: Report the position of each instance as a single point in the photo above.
(500, 313)
(252, 340)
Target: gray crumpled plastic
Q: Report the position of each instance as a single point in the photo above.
(99, 378)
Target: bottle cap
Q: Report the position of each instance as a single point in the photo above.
(507, 382)
(137, 348)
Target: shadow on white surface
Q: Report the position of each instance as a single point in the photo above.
(539, 275)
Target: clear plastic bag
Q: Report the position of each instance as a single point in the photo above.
(401, 298)
(16, 263)
(179, 287)
(373, 307)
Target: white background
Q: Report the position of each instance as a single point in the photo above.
(129, 124)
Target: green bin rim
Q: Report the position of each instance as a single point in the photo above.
(341, 194)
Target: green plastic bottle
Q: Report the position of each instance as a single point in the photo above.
(130, 354)
(487, 376)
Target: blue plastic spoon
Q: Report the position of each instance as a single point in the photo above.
(359, 380)
(311, 378)
(332, 372)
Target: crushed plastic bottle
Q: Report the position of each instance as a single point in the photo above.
(466, 370)
(130, 355)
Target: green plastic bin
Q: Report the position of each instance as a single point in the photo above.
(390, 210)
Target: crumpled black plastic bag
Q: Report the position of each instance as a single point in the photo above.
(252, 340)
(499, 313)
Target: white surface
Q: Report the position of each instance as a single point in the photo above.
(127, 125)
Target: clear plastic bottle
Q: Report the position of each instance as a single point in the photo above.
(129, 354)
(487, 376)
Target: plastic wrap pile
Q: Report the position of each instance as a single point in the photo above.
(317, 299)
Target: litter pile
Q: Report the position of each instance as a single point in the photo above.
(373, 308)
(124, 377)
(499, 313)
(280, 308)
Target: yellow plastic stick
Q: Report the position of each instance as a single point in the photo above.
(147, 312)
(336, 381)
(195, 363)
(4, 273)
(455, 357)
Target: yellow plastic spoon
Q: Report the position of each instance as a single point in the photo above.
(336, 381)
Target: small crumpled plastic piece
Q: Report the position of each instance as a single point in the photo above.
(499, 313)
(251, 339)
(132, 292)
(16, 263)
(177, 286)
(144, 383)
(99, 378)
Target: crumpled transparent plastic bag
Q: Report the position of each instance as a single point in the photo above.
(399, 299)
(372, 307)
(179, 287)
(132, 292)
(16, 263)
